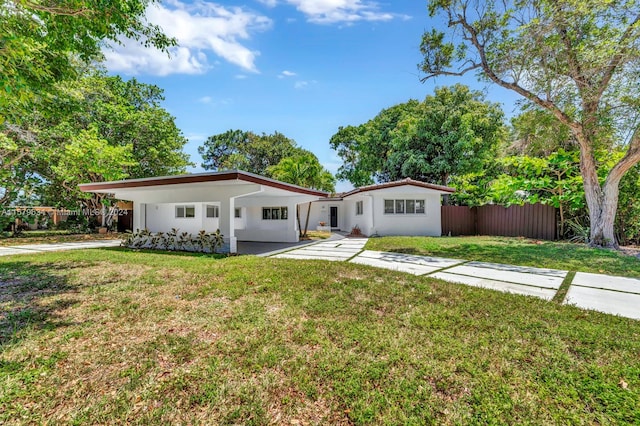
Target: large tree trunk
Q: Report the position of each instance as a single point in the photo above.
(602, 201)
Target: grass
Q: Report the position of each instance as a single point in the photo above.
(114, 336)
(53, 237)
(514, 251)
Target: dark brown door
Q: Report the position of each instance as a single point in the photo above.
(334, 216)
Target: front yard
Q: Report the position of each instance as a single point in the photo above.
(114, 336)
(514, 251)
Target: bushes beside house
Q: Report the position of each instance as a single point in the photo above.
(175, 240)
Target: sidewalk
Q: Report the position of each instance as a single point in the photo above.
(604, 293)
(39, 248)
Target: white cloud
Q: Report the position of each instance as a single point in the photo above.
(200, 28)
(205, 99)
(303, 84)
(239, 76)
(286, 73)
(343, 11)
(269, 3)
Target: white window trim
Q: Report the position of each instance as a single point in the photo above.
(185, 207)
(216, 210)
(360, 208)
(415, 201)
(280, 208)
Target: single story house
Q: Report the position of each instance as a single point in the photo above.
(404, 207)
(250, 207)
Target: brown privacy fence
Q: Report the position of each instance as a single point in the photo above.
(529, 220)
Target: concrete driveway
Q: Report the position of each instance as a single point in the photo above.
(609, 294)
(39, 248)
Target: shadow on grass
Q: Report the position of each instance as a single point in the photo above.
(165, 252)
(25, 292)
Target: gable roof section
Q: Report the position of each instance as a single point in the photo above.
(402, 182)
(197, 178)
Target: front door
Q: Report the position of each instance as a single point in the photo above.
(333, 216)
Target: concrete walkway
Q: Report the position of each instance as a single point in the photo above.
(604, 293)
(39, 248)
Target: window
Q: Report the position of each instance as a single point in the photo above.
(275, 213)
(213, 211)
(186, 211)
(388, 207)
(238, 212)
(359, 208)
(404, 206)
(410, 206)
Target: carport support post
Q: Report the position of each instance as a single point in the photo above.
(227, 222)
(139, 216)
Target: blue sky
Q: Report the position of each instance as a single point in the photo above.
(301, 67)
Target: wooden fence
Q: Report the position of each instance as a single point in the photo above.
(530, 220)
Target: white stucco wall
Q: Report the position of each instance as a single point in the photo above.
(423, 224)
(374, 220)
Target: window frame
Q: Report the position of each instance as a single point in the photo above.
(419, 206)
(275, 213)
(359, 208)
(237, 212)
(184, 208)
(216, 211)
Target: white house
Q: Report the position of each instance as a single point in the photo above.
(244, 206)
(249, 207)
(405, 207)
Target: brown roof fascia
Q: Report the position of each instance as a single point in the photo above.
(400, 183)
(197, 178)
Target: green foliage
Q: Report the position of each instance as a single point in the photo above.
(203, 242)
(303, 170)
(40, 43)
(453, 132)
(247, 151)
(103, 129)
(577, 60)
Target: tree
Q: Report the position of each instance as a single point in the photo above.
(537, 133)
(247, 151)
(577, 59)
(452, 132)
(455, 131)
(365, 149)
(41, 41)
(304, 170)
(119, 125)
(88, 158)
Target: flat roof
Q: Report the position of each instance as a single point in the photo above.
(196, 178)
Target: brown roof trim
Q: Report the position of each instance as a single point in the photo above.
(197, 178)
(402, 182)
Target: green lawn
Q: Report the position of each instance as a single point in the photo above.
(113, 336)
(514, 251)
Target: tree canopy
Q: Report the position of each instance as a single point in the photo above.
(245, 150)
(577, 59)
(104, 128)
(41, 41)
(454, 131)
(303, 170)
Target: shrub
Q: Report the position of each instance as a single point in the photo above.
(174, 240)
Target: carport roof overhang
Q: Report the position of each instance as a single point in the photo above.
(231, 177)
